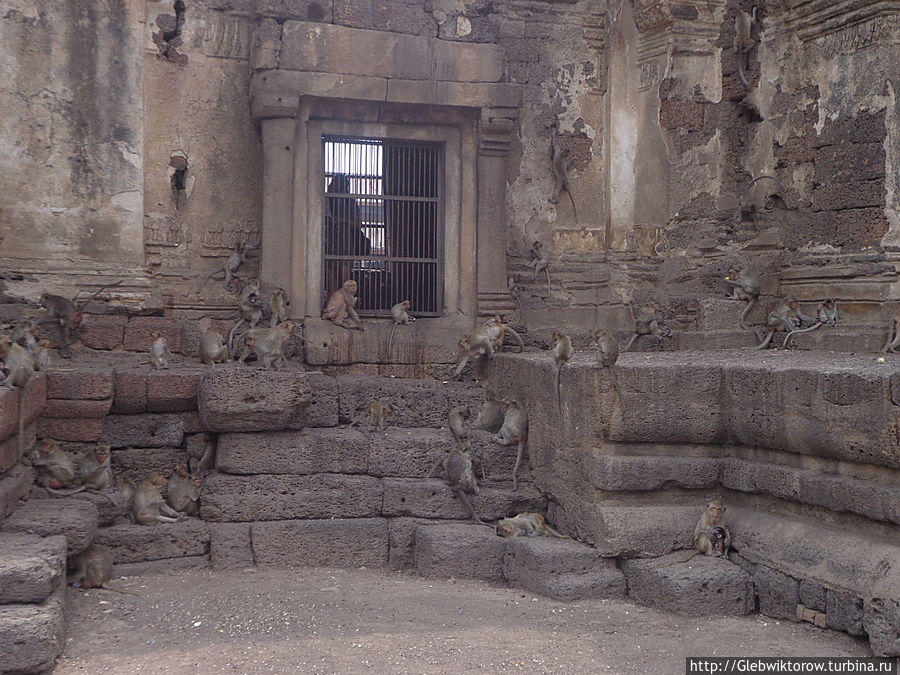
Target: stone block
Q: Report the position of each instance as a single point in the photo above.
(400, 451)
(850, 162)
(137, 543)
(103, 331)
(137, 333)
(31, 636)
(626, 473)
(459, 550)
(630, 531)
(130, 393)
(76, 519)
(13, 486)
(250, 498)
(111, 506)
(163, 566)
(34, 396)
(812, 595)
(853, 195)
(93, 384)
(721, 313)
(172, 391)
(9, 449)
(31, 567)
(333, 543)
(561, 569)
(191, 422)
(778, 593)
(9, 411)
(402, 537)
(138, 463)
(294, 452)
(145, 431)
(844, 611)
(229, 546)
(705, 585)
(76, 430)
(434, 499)
(240, 399)
(76, 408)
(881, 619)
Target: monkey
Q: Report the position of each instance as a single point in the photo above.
(607, 349)
(512, 283)
(786, 317)
(704, 540)
(893, 339)
(250, 311)
(159, 351)
(183, 491)
(54, 466)
(340, 307)
(473, 345)
(400, 314)
(94, 567)
(26, 334)
(278, 305)
(268, 343)
(514, 431)
(491, 416)
(148, 506)
(646, 322)
(212, 348)
(827, 312)
(456, 420)
(94, 470)
(19, 370)
(460, 475)
(528, 525)
(745, 287)
(41, 355)
(540, 261)
(743, 40)
(562, 352)
(497, 330)
(560, 163)
(237, 258)
(378, 414)
(67, 312)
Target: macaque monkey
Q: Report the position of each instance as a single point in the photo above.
(828, 312)
(704, 539)
(41, 355)
(159, 351)
(476, 344)
(456, 420)
(94, 567)
(512, 283)
(54, 466)
(379, 413)
(268, 343)
(183, 491)
(67, 312)
(745, 287)
(460, 474)
(646, 322)
(341, 307)
(893, 339)
(560, 163)
(743, 41)
(278, 305)
(497, 331)
(400, 314)
(562, 352)
(26, 334)
(147, 503)
(20, 369)
(527, 525)
(491, 416)
(250, 311)
(94, 470)
(514, 431)
(212, 348)
(237, 258)
(786, 317)
(540, 262)
(607, 349)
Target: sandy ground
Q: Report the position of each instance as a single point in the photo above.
(364, 621)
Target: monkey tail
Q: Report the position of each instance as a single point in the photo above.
(102, 288)
(765, 175)
(890, 339)
(21, 421)
(799, 330)
(741, 70)
(391, 339)
(66, 493)
(574, 210)
(693, 555)
(765, 343)
(558, 395)
(628, 346)
(745, 313)
(518, 337)
(516, 467)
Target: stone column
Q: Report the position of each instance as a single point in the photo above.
(278, 197)
(494, 132)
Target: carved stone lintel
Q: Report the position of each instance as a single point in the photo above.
(495, 131)
(857, 24)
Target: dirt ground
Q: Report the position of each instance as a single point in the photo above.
(358, 621)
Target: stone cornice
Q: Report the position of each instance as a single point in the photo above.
(811, 19)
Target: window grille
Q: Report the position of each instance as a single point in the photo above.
(383, 222)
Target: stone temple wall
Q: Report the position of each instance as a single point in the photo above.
(128, 147)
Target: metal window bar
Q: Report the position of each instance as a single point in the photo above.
(382, 222)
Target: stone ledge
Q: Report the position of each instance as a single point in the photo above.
(293, 452)
(31, 567)
(76, 519)
(132, 543)
(331, 543)
(434, 499)
(459, 550)
(32, 636)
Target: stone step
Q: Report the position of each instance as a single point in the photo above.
(132, 543)
(111, 506)
(76, 519)
(735, 338)
(434, 499)
(465, 551)
(32, 636)
(31, 567)
(562, 569)
(352, 542)
(718, 314)
(14, 485)
(861, 340)
(705, 585)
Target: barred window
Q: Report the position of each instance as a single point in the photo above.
(383, 222)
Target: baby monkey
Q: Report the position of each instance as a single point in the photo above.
(527, 525)
(562, 352)
(710, 536)
(159, 351)
(456, 420)
(400, 314)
